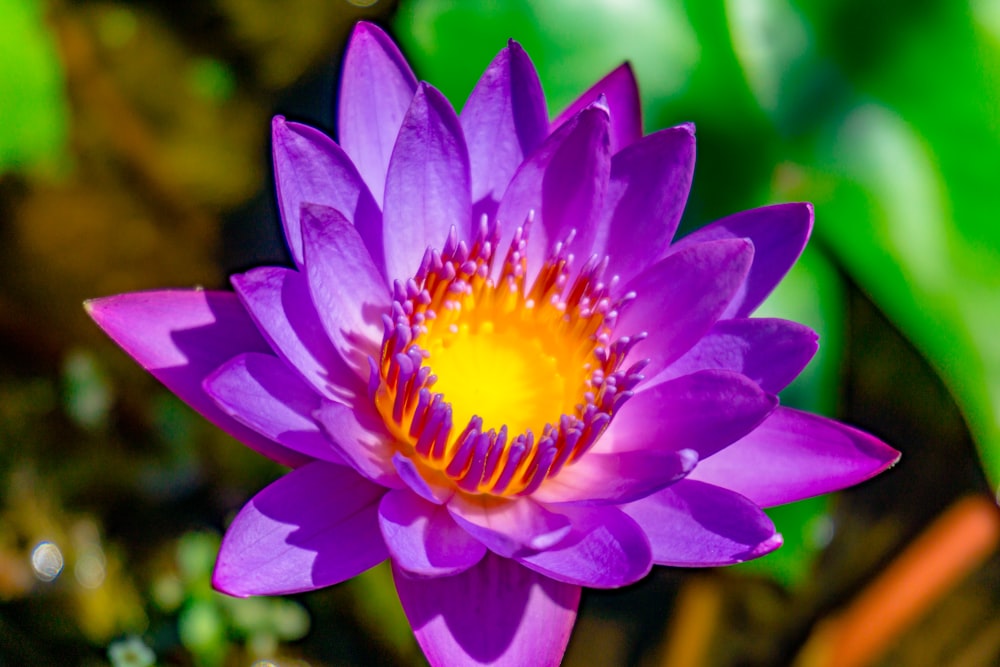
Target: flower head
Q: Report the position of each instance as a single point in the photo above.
(493, 365)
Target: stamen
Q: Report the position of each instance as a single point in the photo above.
(538, 359)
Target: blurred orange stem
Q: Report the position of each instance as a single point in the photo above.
(948, 550)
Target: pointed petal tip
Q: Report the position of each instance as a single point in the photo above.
(366, 28)
(767, 546)
(688, 127)
(221, 583)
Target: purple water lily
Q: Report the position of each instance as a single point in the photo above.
(492, 365)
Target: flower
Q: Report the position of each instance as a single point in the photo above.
(492, 365)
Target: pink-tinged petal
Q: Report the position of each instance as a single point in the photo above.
(376, 87)
(427, 187)
(496, 613)
(504, 120)
(360, 439)
(259, 391)
(771, 352)
(314, 527)
(692, 524)
(649, 186)
(309, 168)
(508, 526)
(348, 292)
(620, 88)
(180, 336)
(437, 494)
(422, 537)
(605, 549)
(679, 298)
(563, 185)
(794, 455)
(779, 233)
(278, 300)
(704, 411)
(617, 477)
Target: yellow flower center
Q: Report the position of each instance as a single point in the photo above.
(507, 375)
(489, 386)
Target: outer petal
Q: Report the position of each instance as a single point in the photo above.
(180, 336)
(563, 183)
(314, 527)
(692, 524)
(348, 291)
(427, 187)
(504, 120)
(770, 352)
(496, 613)
(360, 439)
(679, 298)
(422, 537)
(650, 181)
(260, 392)
(508, 526)
(779, 233)
(619, 477)
(278, 300)
(794, 455)
(605, 549)
(622, 93)
(704, 411)
(310, 168)
(376, 87)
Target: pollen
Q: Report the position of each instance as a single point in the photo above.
(492, 385)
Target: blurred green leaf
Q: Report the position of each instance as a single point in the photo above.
(896, 235)
(450, 43)
(33, 109)
(203, 632)
(88, 393)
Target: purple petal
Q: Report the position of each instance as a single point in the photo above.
(180, 336)
(605, 549)
(432, 492)
(620, 88)
(704, 411)
(348, 292)
(616, 478)
(779, 233)
(649, 186)
(496, 613)
(692, 524)
(310, 168)
(563, 184)
(376, 87)
(260, 392)
(508, 525)
(504, 120)
(770, 352)
(422, 537)
(279, 302)
(679, 298)
(427, 187)
(314, 527)
(794, 455)
(360, 439)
